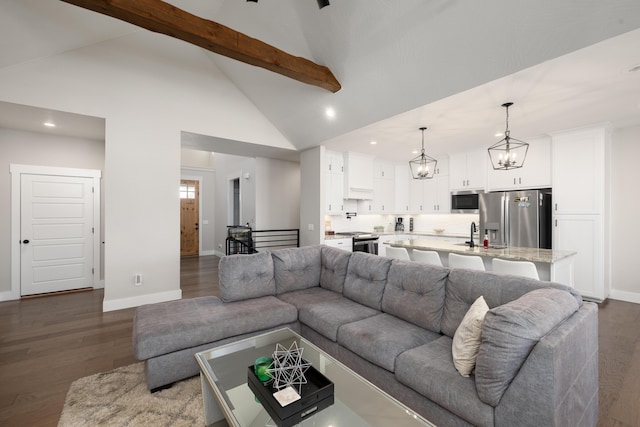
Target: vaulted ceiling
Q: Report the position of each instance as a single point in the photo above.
(444, 64)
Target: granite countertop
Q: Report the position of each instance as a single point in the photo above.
(548, 256)
(462, 237)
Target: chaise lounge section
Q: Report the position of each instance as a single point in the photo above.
(394, 322)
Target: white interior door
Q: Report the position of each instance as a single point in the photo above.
(56, 233)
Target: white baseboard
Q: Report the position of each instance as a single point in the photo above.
(119, 304)
(625, 296)
(220, 254)
(8, 296)
(205, 253)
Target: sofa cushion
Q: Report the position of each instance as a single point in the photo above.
(380, 339)
(415, 293)
(174, 325)
(366, 279)
(328, 316)
(466, 341)
(429, 370)
(309, 296)
(509, 333)
(465, 286)
(334, 268)
(296, 268)
(246, 276)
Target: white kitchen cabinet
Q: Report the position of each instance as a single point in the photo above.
(579, 178)
(401, 188)
(344, 244)
(468, 171)
(383, 187)
(536, 172)
(437, 197)
(579, 171)
(334, 183)
(583, 234)
(358, 176)
(416, 196)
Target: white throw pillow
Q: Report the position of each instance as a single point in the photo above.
(466, 340)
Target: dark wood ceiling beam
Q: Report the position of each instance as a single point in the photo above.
(164, 18)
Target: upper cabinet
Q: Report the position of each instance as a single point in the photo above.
(401, 186)
(334, 182)
(358, 172)
(579, 171)
(468, 171)
(535, 173)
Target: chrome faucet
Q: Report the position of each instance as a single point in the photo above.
(473, 230)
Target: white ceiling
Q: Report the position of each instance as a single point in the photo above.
(444, 64)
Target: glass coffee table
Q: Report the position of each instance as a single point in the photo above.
(357, 402)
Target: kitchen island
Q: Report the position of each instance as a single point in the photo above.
(552, 265)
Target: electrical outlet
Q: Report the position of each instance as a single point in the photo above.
(310, 227)
(137, 279)
(219, 245)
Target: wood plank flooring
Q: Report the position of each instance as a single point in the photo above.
(47, 343)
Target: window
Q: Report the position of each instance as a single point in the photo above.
(187, 191)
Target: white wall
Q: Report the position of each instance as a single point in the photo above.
(39, 149)
(146, 100)
(277, 194)
(625, 208)
(312, 196)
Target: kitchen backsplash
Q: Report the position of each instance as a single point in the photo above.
(451, 223)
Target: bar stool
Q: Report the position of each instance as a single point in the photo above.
(398, 253)
(517, 268)
(471, 262)
(427, 257)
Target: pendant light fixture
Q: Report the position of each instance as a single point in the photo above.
(508, 153)
(423, 166)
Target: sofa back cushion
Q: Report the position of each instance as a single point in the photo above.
(334, 268)
(465, 286)
(415, 293)
(246, 276)
(296, 268)
(510, 332)
(366, 279)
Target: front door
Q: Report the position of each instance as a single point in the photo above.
(189, 214)
(57, 232)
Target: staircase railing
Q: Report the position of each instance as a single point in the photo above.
(244, 240)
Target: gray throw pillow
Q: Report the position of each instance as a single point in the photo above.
(510, 332)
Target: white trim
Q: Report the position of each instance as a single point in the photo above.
(625, 296)
(7, 296)
(16, 170)
(122, 303)
(210, 252)
(197, 169)
(220, 254)
(200, 199)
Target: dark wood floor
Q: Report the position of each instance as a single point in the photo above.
(47, 343)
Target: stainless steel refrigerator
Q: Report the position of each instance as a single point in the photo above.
(516, 218)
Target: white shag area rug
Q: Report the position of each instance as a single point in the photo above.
(120, 398)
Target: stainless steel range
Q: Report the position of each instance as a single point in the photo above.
(362, 241)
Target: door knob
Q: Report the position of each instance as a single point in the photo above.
(25, 241)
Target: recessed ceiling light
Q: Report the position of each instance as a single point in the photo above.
(414, 152)
(634, 68)
(49, 124)
(373, 143)
(330, 112)
(498, 134)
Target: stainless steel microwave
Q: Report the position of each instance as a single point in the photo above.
(465, 201)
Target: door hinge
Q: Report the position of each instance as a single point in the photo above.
(93, 270)
(93, 230)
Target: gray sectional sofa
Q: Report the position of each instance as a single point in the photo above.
(393, 322)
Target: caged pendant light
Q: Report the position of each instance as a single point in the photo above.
(423, 166)
(508, 153)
